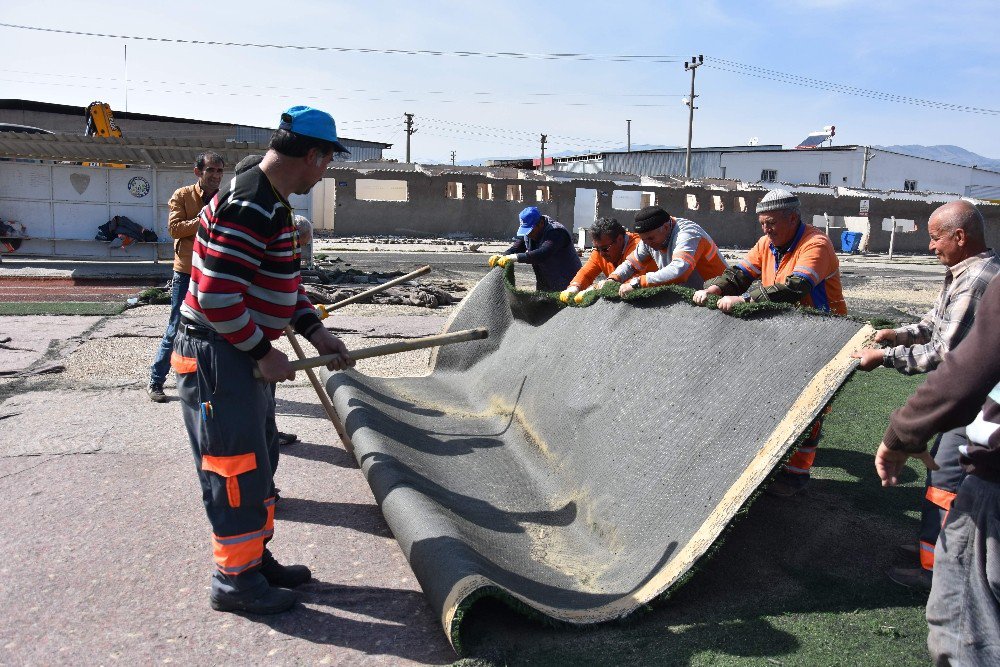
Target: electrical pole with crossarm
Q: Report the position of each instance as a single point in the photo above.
(409, 132)
(695, 63)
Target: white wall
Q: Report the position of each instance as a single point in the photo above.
(62, 205)
(886, 171)
(802, 166)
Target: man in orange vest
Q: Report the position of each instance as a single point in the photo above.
(684, 253)
(612, 244)
(795, 263)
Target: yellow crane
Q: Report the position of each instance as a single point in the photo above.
(100, 121)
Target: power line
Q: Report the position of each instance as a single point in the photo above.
(510, 131)
(313, 89)
(774, 75)
(344, 49)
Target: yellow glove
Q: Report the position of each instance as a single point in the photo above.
(579, 297)
(565, 295)
(506, 259)
(493, 260)
(323, 312)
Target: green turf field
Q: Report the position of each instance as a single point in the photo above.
(797, 581)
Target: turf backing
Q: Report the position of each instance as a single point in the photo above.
(581, 461)
(797, 581)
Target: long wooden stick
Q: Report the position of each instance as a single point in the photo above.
(331, 412)
(326, 308)
(393, 348)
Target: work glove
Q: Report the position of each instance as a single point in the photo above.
(579, 297)
(565, 295)
(493, 260)
(506, 259)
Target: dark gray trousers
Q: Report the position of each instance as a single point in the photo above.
(229, 416)
(963, 612)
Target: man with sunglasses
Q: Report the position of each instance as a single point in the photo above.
(612, 244)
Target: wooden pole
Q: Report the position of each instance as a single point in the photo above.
(393, 348)
(325, 309)
(331, 412)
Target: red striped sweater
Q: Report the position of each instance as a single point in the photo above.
(245, 267)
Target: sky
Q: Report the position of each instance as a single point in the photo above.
(882, 72)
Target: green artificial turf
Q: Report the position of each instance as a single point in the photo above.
(798, 581)
(61, 308)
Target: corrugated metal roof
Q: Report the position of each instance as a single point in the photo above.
(138, 151)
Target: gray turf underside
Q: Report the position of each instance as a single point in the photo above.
(639, 417)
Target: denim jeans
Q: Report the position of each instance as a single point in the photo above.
(161, 366)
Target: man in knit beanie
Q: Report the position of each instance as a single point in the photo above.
(684, 253)
(795, 263)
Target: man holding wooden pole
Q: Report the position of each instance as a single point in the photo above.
(245, 289)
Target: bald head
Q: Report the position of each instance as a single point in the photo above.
(957, 232)
(960, 214)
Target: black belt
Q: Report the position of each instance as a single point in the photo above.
(195, 330)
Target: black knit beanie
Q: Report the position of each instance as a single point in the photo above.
(649, 219)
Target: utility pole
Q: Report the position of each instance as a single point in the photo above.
(541, 165)
(869, 154)
(453, 158)
(628, 135)
(692, 66)
(409, 132)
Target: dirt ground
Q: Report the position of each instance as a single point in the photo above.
(106, 556)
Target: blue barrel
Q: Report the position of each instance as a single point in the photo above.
(850, 241)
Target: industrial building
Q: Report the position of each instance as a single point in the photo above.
(70, 119)
(862, 167)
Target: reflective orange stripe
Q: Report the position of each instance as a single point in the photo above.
(229, 467)
(183, 364)
(239, 552)
(802, 461)
(926, 555)
(940, 497)
(269, 525)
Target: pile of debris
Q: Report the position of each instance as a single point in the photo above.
(327, 284)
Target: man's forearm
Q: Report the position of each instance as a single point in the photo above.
(733, 281)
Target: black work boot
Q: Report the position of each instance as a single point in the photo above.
(155, 393)
(285, 576)
(272, 600)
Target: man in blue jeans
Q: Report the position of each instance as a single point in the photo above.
(182, 224)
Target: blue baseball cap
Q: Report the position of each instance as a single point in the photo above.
(529, 218)
(313, 123)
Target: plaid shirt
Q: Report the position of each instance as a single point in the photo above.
(921, 346)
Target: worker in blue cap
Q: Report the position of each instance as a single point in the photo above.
(547, 246)
(245, 290)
